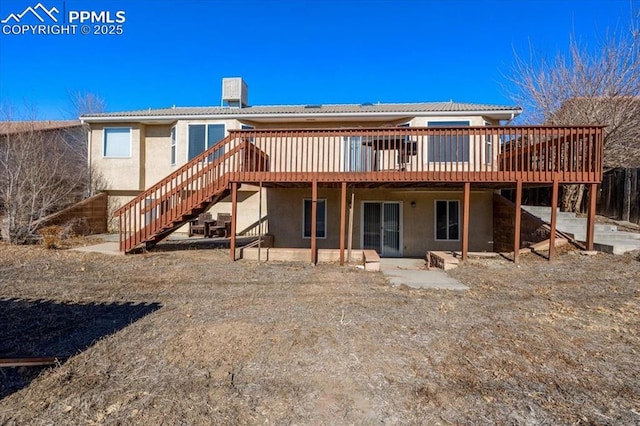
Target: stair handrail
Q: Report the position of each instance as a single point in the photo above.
(134, 232)
(195, 160)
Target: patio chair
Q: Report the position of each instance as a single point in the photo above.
(222, 226)
(200, 226)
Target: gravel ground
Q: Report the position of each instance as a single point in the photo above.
(187, 337)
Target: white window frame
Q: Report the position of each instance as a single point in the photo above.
(401, 218)
(488, 148)
(435, 220)
(173, 151)
(206, 136)
(326, 219)
(104, 142)
(433, 124)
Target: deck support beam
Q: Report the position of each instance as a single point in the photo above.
(465, 220)
(591, 215)
(234, 219)
(517, 227)
(314, 219)
(343, 219)
(554, 218)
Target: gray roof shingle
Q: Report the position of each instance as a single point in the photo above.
(409, 108)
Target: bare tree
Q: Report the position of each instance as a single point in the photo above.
(40, 173)
(597, 84)
(82, 102)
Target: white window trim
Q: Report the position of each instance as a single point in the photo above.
(427, 153)
(104, 141)
(173, 146)
(435, 220)
(206, 136)
(488, 153)
(325, 219)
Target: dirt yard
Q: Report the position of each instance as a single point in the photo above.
(186, 337)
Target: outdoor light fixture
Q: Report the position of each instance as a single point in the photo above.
(413, 204)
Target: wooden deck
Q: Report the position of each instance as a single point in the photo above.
(464, 156)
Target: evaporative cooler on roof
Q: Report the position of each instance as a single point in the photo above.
(234, 92)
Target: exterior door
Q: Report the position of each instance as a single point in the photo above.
(381, 227)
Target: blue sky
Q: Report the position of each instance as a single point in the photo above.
(291, 52)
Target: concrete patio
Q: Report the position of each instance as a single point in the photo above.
(413, 274)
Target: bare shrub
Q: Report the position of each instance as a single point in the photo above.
(75, 227)
(43, 169)
(51, 236)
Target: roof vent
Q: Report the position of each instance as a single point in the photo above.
(313, 106)
(366, 104)
(235, 92)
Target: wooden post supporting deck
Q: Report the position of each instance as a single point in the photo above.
(554, 218)
(516, 230)
(591, 215)
(465, 220)
(314, 218)
(234, 216)
(343, 219)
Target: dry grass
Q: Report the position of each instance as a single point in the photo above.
(241, 343)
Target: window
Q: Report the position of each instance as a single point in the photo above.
(173, 146)
(450, 147)
(488, 153)
(358, 156)
(447, 220)
(204, 136)
(247, 127)
(117, 142)
(321, 219)
(407, 149)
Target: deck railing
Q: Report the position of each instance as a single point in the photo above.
(456, 154)
(381, 155)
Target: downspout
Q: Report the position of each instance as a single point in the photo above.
(513, 116)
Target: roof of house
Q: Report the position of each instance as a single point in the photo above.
(12, 127)
(354, 110)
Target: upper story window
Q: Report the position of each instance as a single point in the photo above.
(450, 147)
(117, 142)
(358, 156)
(488, 147)
(173, 146)
(203, 137)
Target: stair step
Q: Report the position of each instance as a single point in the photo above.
(606, 237)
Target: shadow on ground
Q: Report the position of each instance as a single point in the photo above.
(45, 328)
(200, 244)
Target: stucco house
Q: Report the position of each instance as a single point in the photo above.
(422, 176)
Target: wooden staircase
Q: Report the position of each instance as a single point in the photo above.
(187, 192)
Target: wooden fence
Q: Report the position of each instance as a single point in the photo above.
(619, 195)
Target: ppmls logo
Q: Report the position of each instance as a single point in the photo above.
(47, 21)
(33, 11)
